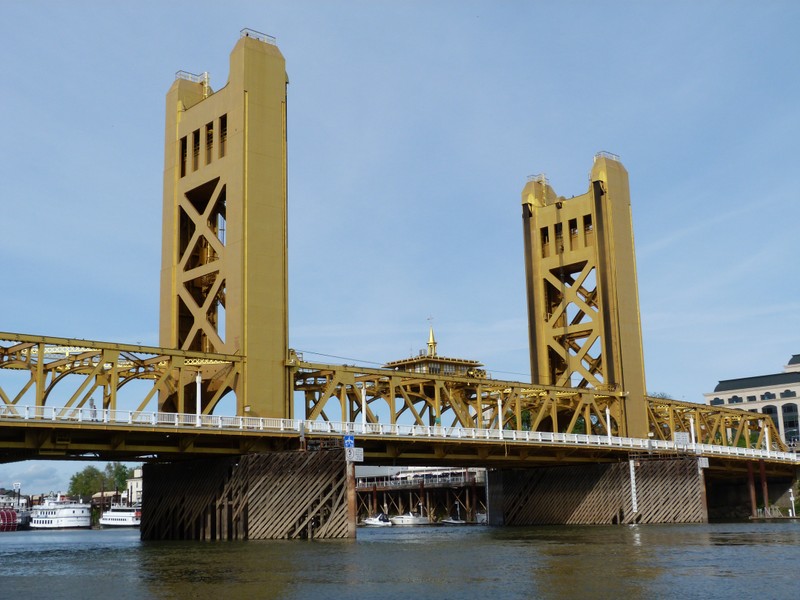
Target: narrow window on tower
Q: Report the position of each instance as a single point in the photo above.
(544, 235)
(588, 232)
(573, 233)
(195, 149)
(223, 134)
(209, 141)
(184, 149)
(559, 238)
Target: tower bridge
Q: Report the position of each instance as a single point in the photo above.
(597, 451)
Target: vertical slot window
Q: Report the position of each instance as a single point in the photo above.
(184, 150)
(573, 233)
(588, 230)
(223, 134)
(559, 238)
(195, 149)
(544, 236)
(209, 142)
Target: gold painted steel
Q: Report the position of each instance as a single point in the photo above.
(421, 399)
(224, 257)
(583, 306)
(104, 368)
(224, 314)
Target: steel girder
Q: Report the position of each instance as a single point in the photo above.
(107, 368)
(424, 399)
(339, 392)
(713, 424)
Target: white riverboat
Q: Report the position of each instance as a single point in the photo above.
(59, 512)
(380, 520)
(120, 515)
(410, 519)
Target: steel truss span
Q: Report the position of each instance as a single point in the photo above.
(416, 404)
(68, 372)
(349, 393)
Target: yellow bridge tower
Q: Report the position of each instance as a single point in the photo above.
(224, 267)
(583, 303)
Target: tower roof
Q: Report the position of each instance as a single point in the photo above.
(428, 361)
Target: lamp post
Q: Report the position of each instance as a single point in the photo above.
(198, 380)
(364, 407)
(500, 417)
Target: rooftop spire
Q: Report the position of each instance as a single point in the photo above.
(431, 343)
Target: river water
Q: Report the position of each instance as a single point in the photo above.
(737, 560)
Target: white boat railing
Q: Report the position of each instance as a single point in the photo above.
(91, 417)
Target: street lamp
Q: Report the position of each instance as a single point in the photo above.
(199, 383)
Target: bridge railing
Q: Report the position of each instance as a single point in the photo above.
(170, 421)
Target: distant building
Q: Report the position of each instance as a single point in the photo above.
(428, 361)
(134, 487)
(774, 395)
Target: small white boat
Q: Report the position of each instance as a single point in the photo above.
(122, 516)
(58, 512)
(457, 520)
(380, 520)
(410, 519)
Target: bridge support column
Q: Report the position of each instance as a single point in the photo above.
(667, 491)
(352, 500)
(751, 487)
(762, 469)
(495, 499)
(276, 495)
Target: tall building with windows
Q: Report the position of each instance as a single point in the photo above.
(775, 395)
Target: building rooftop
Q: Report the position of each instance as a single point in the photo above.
(758, 381)
(428, 361)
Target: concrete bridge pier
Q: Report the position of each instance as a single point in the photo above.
(275, 495)
(643, 489)
(745, 492)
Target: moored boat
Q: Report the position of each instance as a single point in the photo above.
(120, 515)
(59, 512)
(457, 520)
(410, 519)
(380, 520)
(8, 519)
(14, 513)
(453, 521)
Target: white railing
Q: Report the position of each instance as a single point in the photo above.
(263, 37)
(91, 417)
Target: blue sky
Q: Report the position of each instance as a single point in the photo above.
(412, 129)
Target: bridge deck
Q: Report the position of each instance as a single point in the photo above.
(28, 432)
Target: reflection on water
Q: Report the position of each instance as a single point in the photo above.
(681, 561)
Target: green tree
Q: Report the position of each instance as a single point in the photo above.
(91, 480)
(87, 482)
(117, 475)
